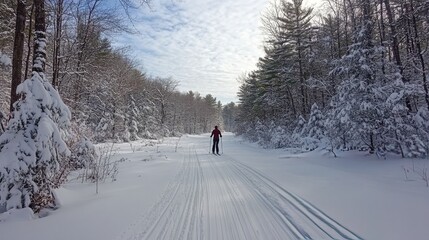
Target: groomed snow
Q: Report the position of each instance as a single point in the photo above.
(247, 193)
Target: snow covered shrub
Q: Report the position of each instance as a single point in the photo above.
(120, 129)
(104, 129)
(84, 154)
(315, 125)
(148, 135)
(338, 130)
(411, 134)
(81, 148)
(414, 147)
(309, 143)
(262, 134)
(132, 121)
(147, 124)
(251, 130)
(280, 137)
(314, 130)
(299, 126)
(103, 166)
(132, 130)
(164, 131)
(32, 146)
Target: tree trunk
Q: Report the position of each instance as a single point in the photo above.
(30, 33)
(395, 48)
(367, 22)
(420, 54)
(18, 49)
(352, 15)
(82, 35)
(39, 54)
(292, 102)
(301, 68)
(57, 43)
(346, 24)
(382, 33)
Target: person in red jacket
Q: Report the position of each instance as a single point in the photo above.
(216, 134)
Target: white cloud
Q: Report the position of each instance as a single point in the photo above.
(204, 44)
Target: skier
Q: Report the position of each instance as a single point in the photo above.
(215, 134)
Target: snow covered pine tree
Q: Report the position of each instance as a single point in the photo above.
(31, 147)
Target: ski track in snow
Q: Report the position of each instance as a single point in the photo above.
(218, 197)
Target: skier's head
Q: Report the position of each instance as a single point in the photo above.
(215, 127)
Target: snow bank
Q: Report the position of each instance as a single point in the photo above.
(13, 215)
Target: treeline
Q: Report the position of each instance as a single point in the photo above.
(352, 77)
(110, 98)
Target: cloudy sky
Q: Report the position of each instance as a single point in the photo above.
(203, 44)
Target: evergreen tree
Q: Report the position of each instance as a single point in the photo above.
(229, 113)
(295, 40)
(250, 108)
(357, 96)
(133, 114)
(32, 146)
(315, 127)
(314, 131)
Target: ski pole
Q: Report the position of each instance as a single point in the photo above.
(221, 144)
(210, 146)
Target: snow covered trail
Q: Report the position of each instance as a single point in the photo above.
(219, 197)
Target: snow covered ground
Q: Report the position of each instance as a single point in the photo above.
(247, 193)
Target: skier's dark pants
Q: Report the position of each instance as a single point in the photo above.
(215, 144)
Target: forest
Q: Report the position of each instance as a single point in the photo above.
(353, 76)
(350, 77)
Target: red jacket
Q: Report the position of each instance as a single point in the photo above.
(216, 133)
